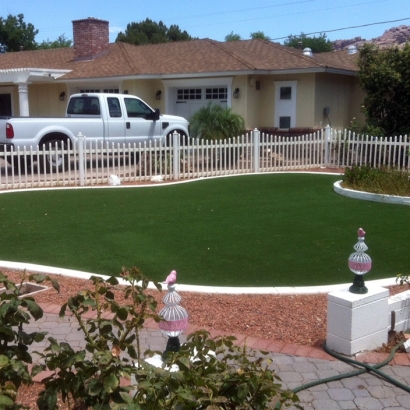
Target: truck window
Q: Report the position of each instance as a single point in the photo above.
(136, 108)
(114, 107)
(84, 106)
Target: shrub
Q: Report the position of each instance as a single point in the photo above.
(231, 378)
(15, 312)
(214, 122)
(386, 181)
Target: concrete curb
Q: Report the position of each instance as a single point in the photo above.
(302, 290)
(368, 196)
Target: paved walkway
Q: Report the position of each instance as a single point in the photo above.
(295, 365)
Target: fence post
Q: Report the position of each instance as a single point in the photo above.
(81, 158)
(256, 150)
(327, 144)
(175, 154)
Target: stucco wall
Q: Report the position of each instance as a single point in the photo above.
(145, 89)
(44, 100)
(342, 95)
(240, 105)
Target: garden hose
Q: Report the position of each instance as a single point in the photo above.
(365, 368)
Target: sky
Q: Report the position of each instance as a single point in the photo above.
(277, 19)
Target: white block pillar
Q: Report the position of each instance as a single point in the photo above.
(23, 99)
(357, 322)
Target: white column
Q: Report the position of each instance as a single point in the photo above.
(23, 99)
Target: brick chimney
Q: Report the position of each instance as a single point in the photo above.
(91, 38)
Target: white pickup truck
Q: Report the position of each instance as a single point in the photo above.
(110, 118)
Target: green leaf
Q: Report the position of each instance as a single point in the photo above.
(56, 285)
(4, 361)
(112, 280)
(126, 397)
(51, 400)
(105, 358)
(122, 313)
(5, 401)
(94, 387)
(111, 383)
(33, 308)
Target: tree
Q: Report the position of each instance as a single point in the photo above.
(60, 42)
(233, 37)
(259, 34)
(214, 122)
(150, 32)
(15, 34)
(317, 44)
(384, 75)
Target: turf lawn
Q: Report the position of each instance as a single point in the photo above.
(252, 230)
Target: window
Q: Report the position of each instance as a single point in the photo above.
(114, 107)
(216, 93)
(84, 106)
(189, 94)
(285, 93)
(136, 108)
(284, 122)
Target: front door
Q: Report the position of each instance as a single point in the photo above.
(139, 125)
(285, 104)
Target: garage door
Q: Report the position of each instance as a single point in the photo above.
(190, 100)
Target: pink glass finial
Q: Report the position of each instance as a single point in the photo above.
(361, 233)
(171, 278)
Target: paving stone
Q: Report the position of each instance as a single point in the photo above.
(381, 392)
(305, 367)
(326, 373)
(305, 396)
(325, 405)
(389, 402)
(320, 395)
(340, 394)
(335, 385)
(354, 383)
(375, 381)
(361, 393)
(290, 377)
(368, 403)
(347, 405)
(309, 377)
(404, 400)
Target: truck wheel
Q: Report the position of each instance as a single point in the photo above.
(52, 162)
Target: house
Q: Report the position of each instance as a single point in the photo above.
(270, 85)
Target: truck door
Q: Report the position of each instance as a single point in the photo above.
(139, 124)
(115, 124)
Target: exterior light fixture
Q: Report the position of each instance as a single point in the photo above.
(236, 93)
(359, 263)
(62, 96)
(175, 316)
(158, 95)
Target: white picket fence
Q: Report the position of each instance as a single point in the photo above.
(347, 149)
(87, 163)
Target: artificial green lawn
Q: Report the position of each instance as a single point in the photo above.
(252, 230)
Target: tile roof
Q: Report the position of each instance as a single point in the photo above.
(188, 57)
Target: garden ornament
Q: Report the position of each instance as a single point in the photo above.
(175, 316)
(359, 263)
